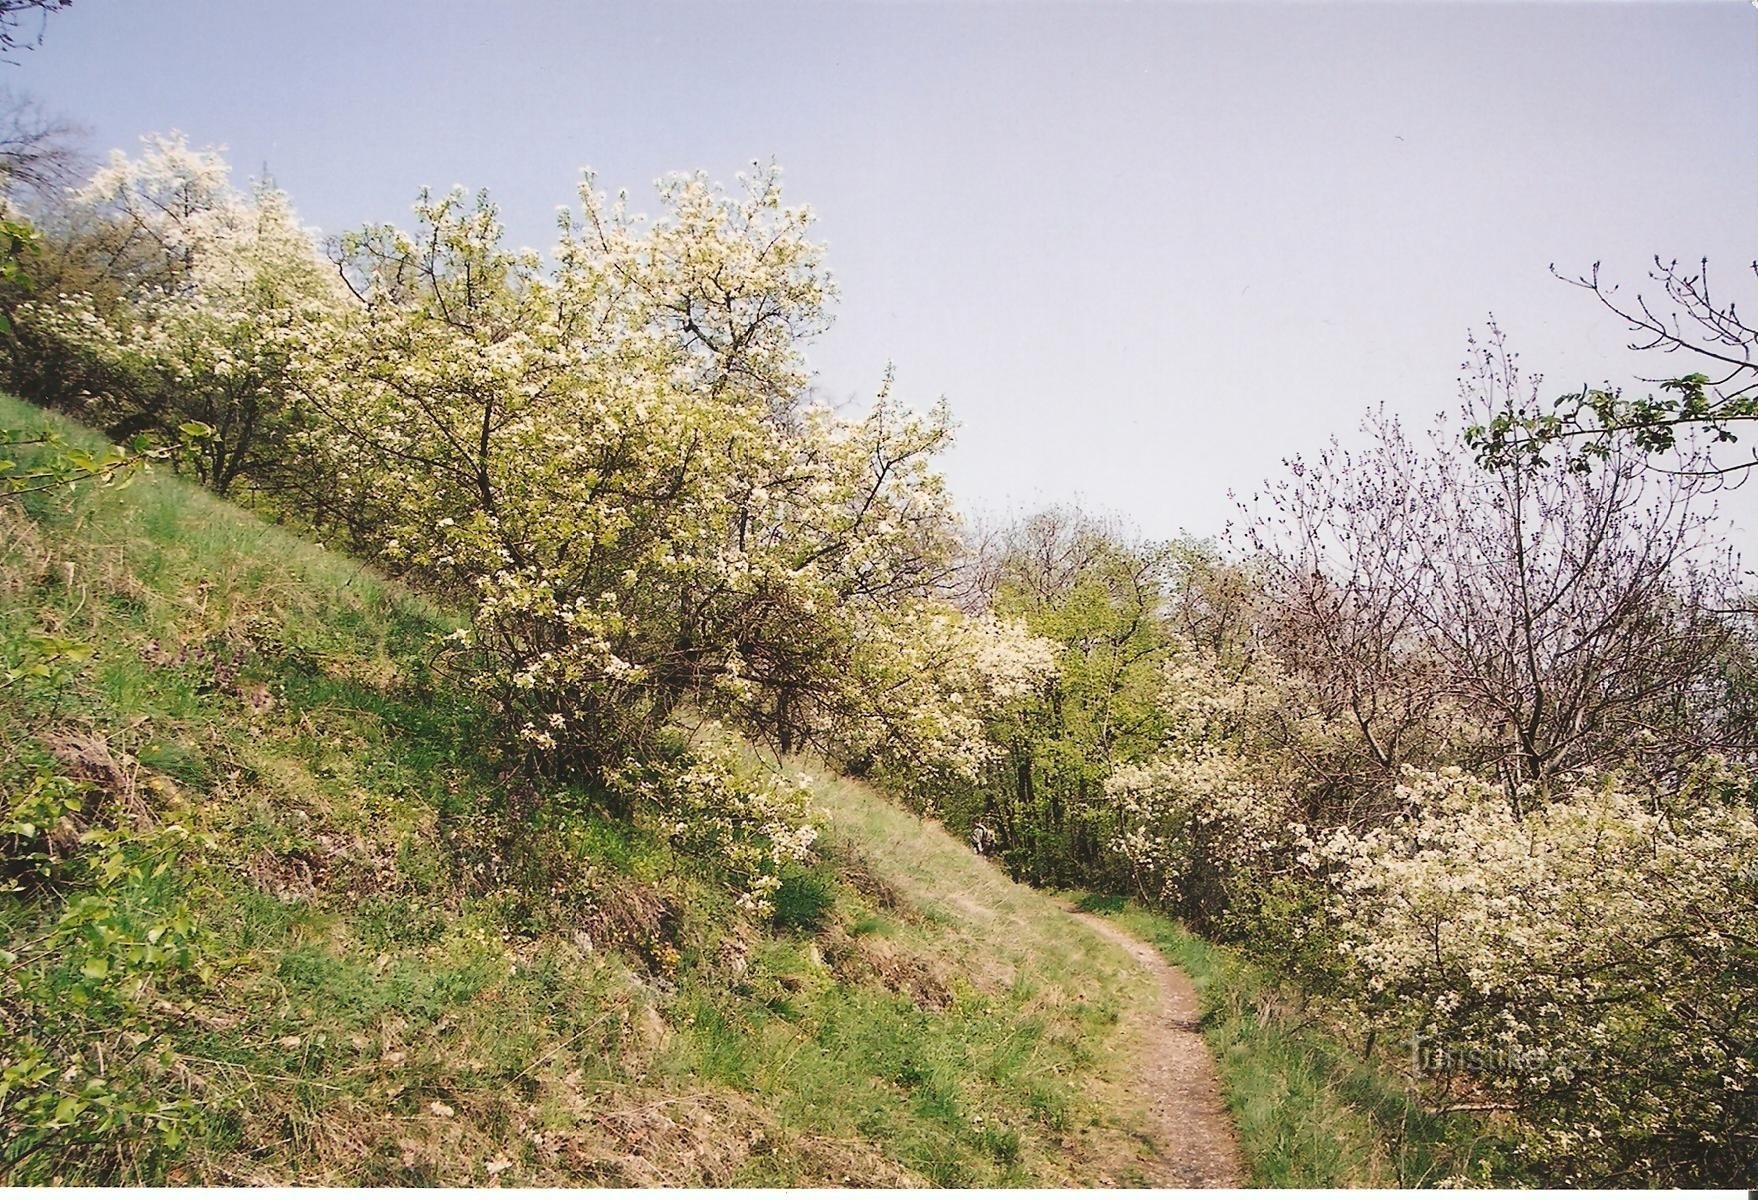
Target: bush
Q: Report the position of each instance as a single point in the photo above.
(1207, 819)
(1587, 964)
(86, 1014)
(741, 826)
(615, 467)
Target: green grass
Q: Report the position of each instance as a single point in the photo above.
(419, 969)
(1310, 1111)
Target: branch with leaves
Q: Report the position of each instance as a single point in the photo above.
(1710, 403)
(50, 462)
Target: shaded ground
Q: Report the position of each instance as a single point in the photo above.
(1193, 1143)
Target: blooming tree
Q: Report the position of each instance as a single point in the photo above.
(1586, 964)
(238, 288)
(614, 462)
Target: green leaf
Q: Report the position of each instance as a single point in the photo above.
(95, 968)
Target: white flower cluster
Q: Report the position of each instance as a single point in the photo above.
(238, 294)
(1215, 802)
(927, 684)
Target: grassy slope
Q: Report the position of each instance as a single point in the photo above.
(425, 969)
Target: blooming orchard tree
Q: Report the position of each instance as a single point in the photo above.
(173, 201)
(732, 285)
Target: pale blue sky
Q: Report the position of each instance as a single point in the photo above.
(1145, 250)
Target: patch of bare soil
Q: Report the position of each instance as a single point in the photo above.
(1193, 1143)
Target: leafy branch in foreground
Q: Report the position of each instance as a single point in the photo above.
(54, 464)
(1711, 401)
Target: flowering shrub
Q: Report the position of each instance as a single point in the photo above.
(748, 825)
(1215, 804)
(924, 687)
(613, 463)
(1588, 964)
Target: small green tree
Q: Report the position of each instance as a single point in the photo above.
(1099, 601)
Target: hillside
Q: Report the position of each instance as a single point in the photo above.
(396, 963)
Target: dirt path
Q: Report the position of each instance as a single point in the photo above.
(1192, 1136)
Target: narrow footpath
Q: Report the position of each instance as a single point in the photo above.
(1192, 1136)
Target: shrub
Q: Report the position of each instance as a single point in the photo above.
(87, 1021)
(746, 826)
(1587, 964)
(1209, 816)
(614, 466)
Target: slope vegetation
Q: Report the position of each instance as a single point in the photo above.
(301, 923)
